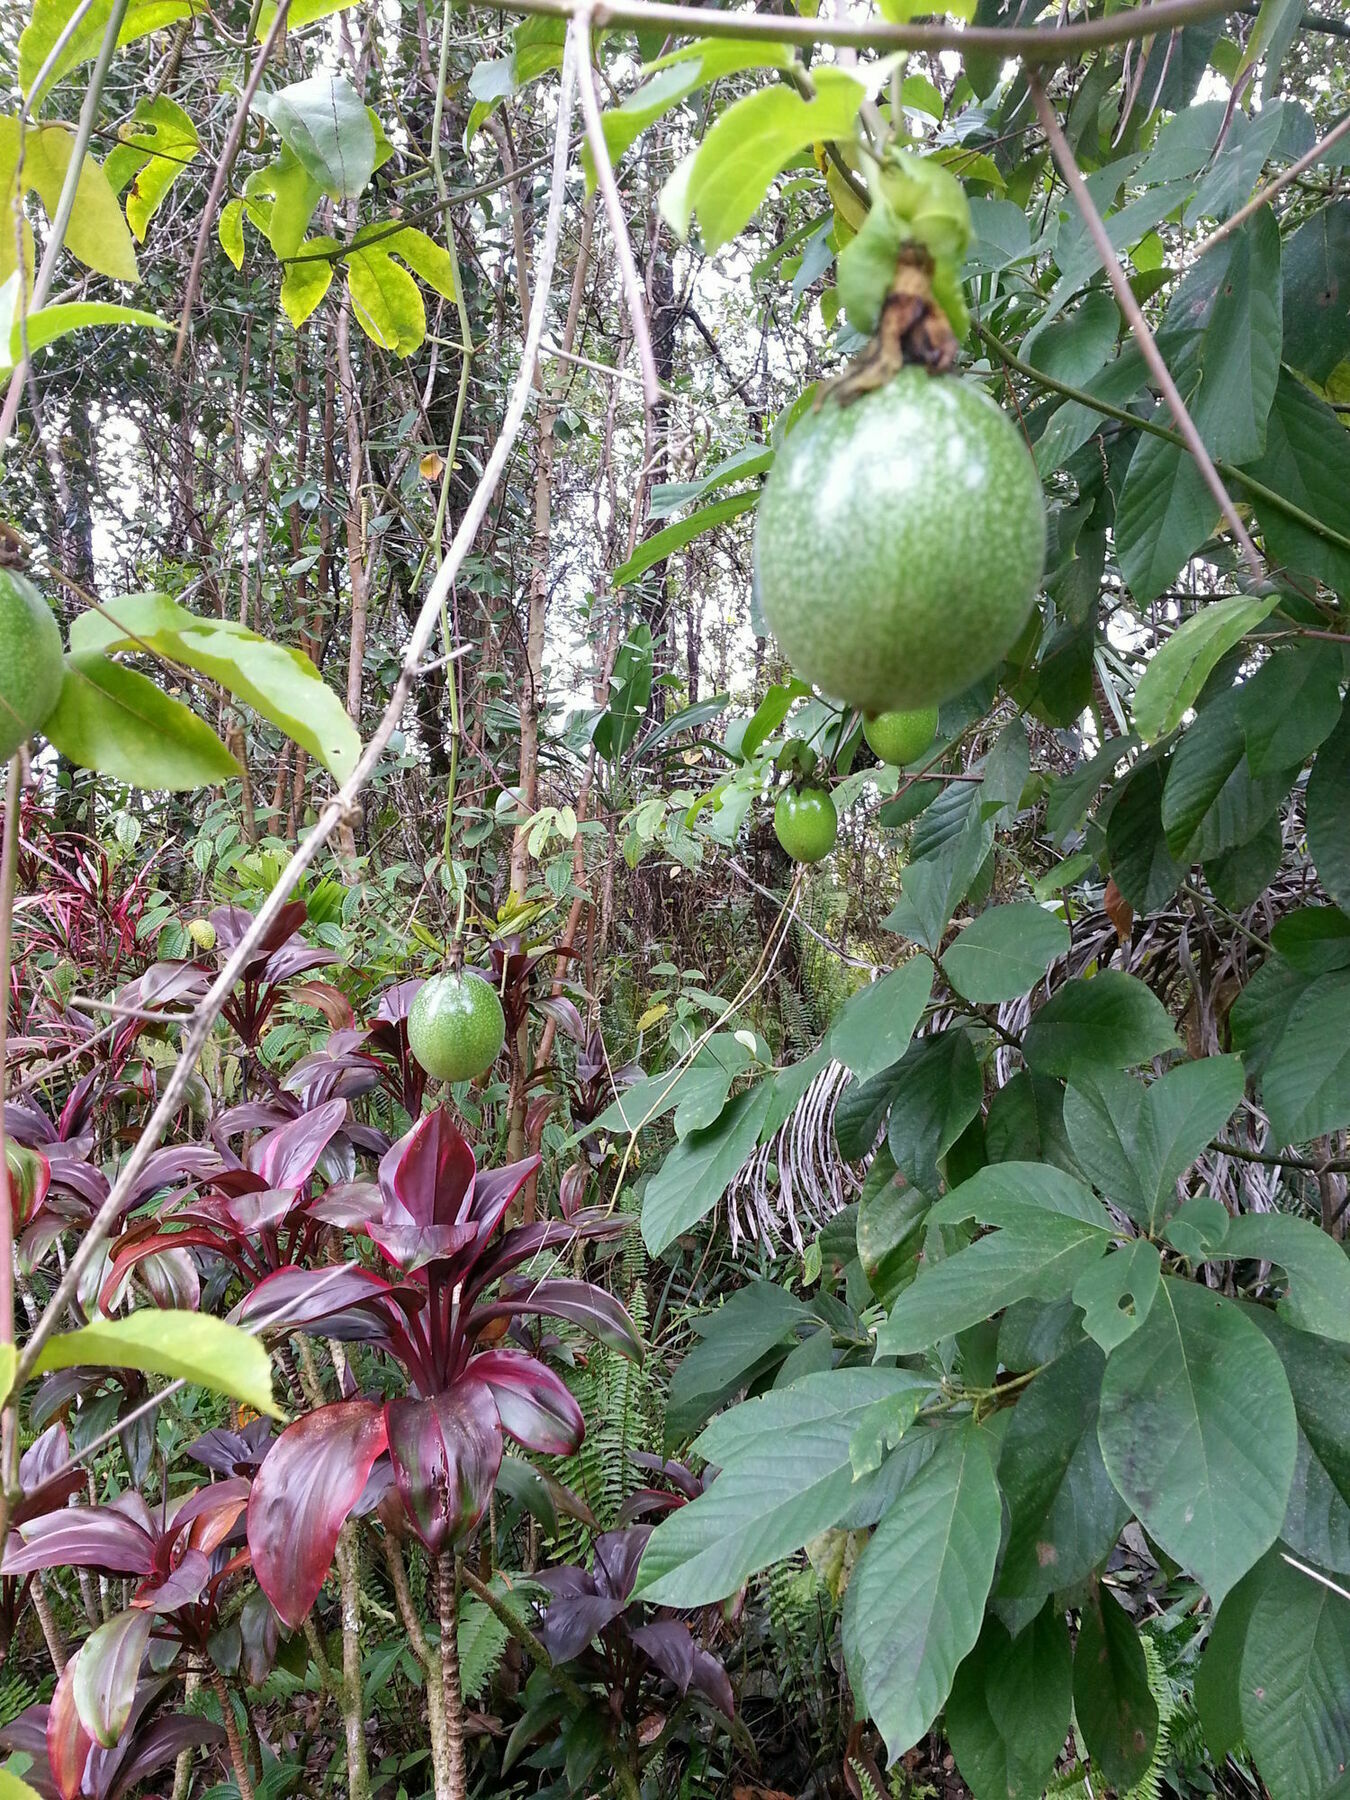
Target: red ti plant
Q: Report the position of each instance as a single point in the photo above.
(280, 955)
(69, 1765)
(441, 1322)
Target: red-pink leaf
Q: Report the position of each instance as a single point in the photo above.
(446, 1452)
(579, 1302)
(309, 1481)
(535, 1404)
(430, 1172)
(29, 1175)
(90, 1537)
(410, 1247)
(181, 1585)
(68, 1743)
(295, 1298)
(288, 1156)
(210, 1513)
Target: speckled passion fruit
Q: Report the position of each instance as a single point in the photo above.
(805, 823)
(901, 737)
(456, 1027)
(31, 664)
(899, 542)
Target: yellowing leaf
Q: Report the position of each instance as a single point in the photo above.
(652, 1015)
(195, 1347)
(230, 231)
(97, 234)
(157, 144)
(50, 18)
(307, 279)
(431, 466)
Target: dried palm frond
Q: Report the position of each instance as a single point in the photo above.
(798, 1177)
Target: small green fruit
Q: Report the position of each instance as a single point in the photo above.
(899, 542)
(456, 1028)
(32, 666)
(901, 737)
(203, 934)
(805, 823)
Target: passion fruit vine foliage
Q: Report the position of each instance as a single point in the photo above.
(675, 923)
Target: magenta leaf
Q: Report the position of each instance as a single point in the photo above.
(288, 1156)
(431, 1171)
(572, 1620)
(159, 1744)
(68, 1743)
(89, 1537)
(579, 1302)
(210, 1513)
(534, 1403)
(308, 1484)
(667, 1643)
(179, 1587)
(409, 1246)
(446, 1452)
(106, 1672)
(295, 1298)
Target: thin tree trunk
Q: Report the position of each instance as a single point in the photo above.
(447, 1589)
(353, 1697)
(430, 1660)
(242, 1778)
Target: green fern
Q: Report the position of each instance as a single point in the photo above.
(16, 1693)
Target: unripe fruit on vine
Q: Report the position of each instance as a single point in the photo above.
(805, 823)
(901, 737)
(203, 934)
(899, 542)
(456, 1027)
(32, 666)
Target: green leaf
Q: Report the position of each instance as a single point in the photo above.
(1006, 1193)
(97, 234)
(1328, 813)
(727, 177)
(674, 78)
(1165, 513)
(106, 1669)
(697, 1172)
(875, 1025)
(1039, 1257)
(630, 693)
(1295, 1678)
(1218, 1676)
(1290, 706)
(230, 231)
(1010, 1708)
(1173, 679)
(302, 12)
(112, 719)
(936, 1092)
(386, 302)
(9, 1360)
(1212, 802)
(785, 1477)
(51, 322)
(307, 277)
(158, 144)
(1004, 952)
(1307, 461)
(891, 1218)
(1178, 1401)
(1142, 866)
(1134, 1143)
(324, 122)
(915, 1601)
(1316, 272)
(736, 1340)
(11, 1788)
(277, 681)
(1317, 1266)
(1110, 1019)
(1305, 1087)
(1064, 1514)
(195, 1347)
(670, 538)
(1112, 1700)
(50, 18)
(1116, 1293)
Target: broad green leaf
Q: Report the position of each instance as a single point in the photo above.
(915, 1602)
(158, 143)
(1164, 515)
(12, 1788)
(280, 199)
(785, 1477)
(1115, 1294)
(670, 496)
(670, 538)
(1141, 864)
(1007, 1192)
(1178, 1403)
(1212, 802)
(1135, 1143)
(1307, 461)
(307, 277)
(1218, 1676)
(1175, 676)
(48, 323)
(1328, 813)
(275, 680)
(1317, 1371)
(727, 177)
(736, 1339)
(1010, 1708)
(875, 1025)
(1290, 706)
(1294, 1683)
(1305, 1085)
(697, 1172)
(1004, 952)
(936, 1092)
(50, 18)
(302, 12)
(1064, 1514)
(672, 79)
(1039, 1258)
(1317, 263)
(386, 302)
(97, 234)
(1112, 1700)
(230, 231)
(1109, 1019)
(195, 1347)
(1316, 1264)
(891, 1218)
(324, 122)
(117, 721)
(630, 693)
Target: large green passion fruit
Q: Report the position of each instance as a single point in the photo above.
(899, 542)
(456, 1027)
(31, 664)
(805, 823)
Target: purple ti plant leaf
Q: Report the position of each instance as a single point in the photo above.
(437, 1225)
